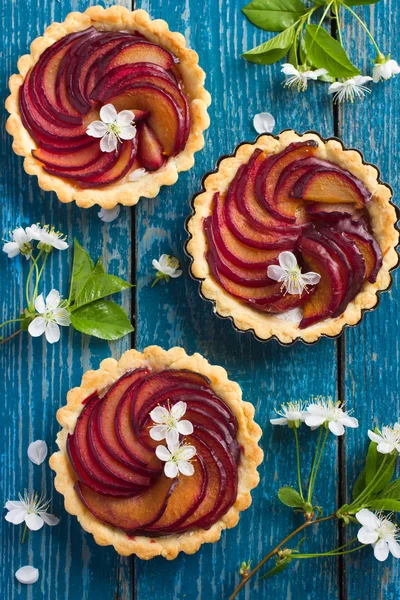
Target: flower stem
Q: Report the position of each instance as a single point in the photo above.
(313, 464)
(321, 452)
(7, 339)
(38, 276)
(328, 6)
(363, 25)
(10, 321)
(332, 553)
(28, 280)
(296, 437)
(371, 484)
(24, 534)
(275, 551)
(337, 16)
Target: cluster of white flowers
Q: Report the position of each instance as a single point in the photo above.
(21, 240)
(318, 412)
(346, 89)
(169, 426)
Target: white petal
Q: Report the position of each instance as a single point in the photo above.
(163, 261)
(336, 428)
(172, 437)
(108, 215)
(362, 79)
(97, 129)
(374, 437)
(156, 264)
(187, 452)
(137, 174)
(158, 432)
(178, 410)
(11, 249)
(311, 278)
(34, 522)
(394, 67)
(11, 504)
(314, 420)
(16, 516)
(27, 575)
(289, 69)
(381, 550)
(367, 518)
(275, 272)
(186, 468)
(394, 547)
(176, 273)
(62, 317)
(57, 242)
(170, 469)
(125, 117)
(279, 421)
(37, 452)
(185, 427)
(128, 132)
(109, 142)
(37, 327)
(367, 536)
(314, 409)
(20, 236)
(108, 114)
(385, 448)
(349, 421)
(34, 232)
(163, 453)
(335, 87)
(52, 332)
(264, 122)
(39, 304)
(319, 72)
(49, 519)
(159, 414)
(53, 300)
(287, 260)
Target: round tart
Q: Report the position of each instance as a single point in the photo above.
(108, 58)
(137, 491)
(293, 237)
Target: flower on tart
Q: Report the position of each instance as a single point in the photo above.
(331, 414)
(113, 127)
(109, 215)
(31, 509)
(349, 89)
(264, 122)
(169, 423)
(177, 459)
(37, 451)
(27, 575)
(388, 439)
(291, 414)
(47, 237)
(300, 77)
(20, 243)
(379, 531)
(289, 274)
(384, 68)
(167, 266)
(52, 313)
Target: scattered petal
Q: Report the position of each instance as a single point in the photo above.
(108, 215)
(37, 451)
(264, 122)
(27, 575)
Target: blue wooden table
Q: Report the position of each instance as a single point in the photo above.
(362, 366)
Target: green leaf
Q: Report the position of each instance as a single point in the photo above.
(373, 462)
(81, 270)
(279, 567)
(392, 490)
(99, 285)
(359, 485)
(360, 2)
(274, 15)
(324, 52)
(290, 497)
(385, 504)
(273, 50)
(103, 319)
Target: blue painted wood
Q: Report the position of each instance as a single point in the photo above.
(372, 350)
(35, 376)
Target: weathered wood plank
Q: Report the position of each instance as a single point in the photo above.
(35, 376)
(175, 315)
(372, 349)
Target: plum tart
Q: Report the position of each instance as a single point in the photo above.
(293, 237)
(158, 453)
(108, 107)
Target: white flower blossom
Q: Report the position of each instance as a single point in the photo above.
(388, 439)
(137, 174)
(177, 459)
(384, 68)
(20, 243)
(47, 237)
(108, 215)
(30, 509)
(300, 78)
(167, 266)
(326, 412)
(292, 414)
(350, 89)
(380, 532)
(37, 452)
(52, 313)
(112, 128)
(289, 274)
(27, 575)
(264, 122)
(169, 424)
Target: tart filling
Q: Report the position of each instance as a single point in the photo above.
(290, 209)
(122, 471)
